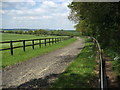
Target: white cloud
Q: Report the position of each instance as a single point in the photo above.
(34, 0)
(31, 2)
(48, 4)
(2, 12)
(28, 18)
(46, 7)
(18, 5)
(46, 17)
(13, 12)
(12, 0)
(60, 15)
(0, 4)
(46, 14)
(24, 12)
(17, 1)
(38, 10)
(24, 18)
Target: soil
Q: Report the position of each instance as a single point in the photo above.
(111, 76)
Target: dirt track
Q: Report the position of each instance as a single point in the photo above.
(40, 71)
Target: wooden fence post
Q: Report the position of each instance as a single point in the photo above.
(33, 44)
(45, 42)
(23, 45)
(49, 41)
(52, 41)
(58, 39)
(40, 43)
(55, 40)
(11, 47)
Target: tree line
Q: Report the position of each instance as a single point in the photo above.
(98, 19)
(42, 32)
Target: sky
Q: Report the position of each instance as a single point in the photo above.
(35, 14)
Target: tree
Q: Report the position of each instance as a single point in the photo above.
(98, 19)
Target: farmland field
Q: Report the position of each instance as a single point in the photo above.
(13, 37)
(8, 37)
(20, 55)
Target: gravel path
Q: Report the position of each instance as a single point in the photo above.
(40, 71)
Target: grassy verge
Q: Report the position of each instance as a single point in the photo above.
(80, 73)
(20, 55)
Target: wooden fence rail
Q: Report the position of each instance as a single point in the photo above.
(44, 41)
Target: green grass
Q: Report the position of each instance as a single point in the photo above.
(20, 55)
(80, 73)
(9, 37)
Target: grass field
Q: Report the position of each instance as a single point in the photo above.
(13, 37)
(9, 37)
(80, 73)
(20, 55)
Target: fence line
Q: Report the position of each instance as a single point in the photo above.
(45, 42)
(102, 73)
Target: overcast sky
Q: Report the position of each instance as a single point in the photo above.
(45, 14)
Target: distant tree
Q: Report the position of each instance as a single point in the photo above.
(30, 32)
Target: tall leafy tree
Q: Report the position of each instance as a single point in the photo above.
(98, 19)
